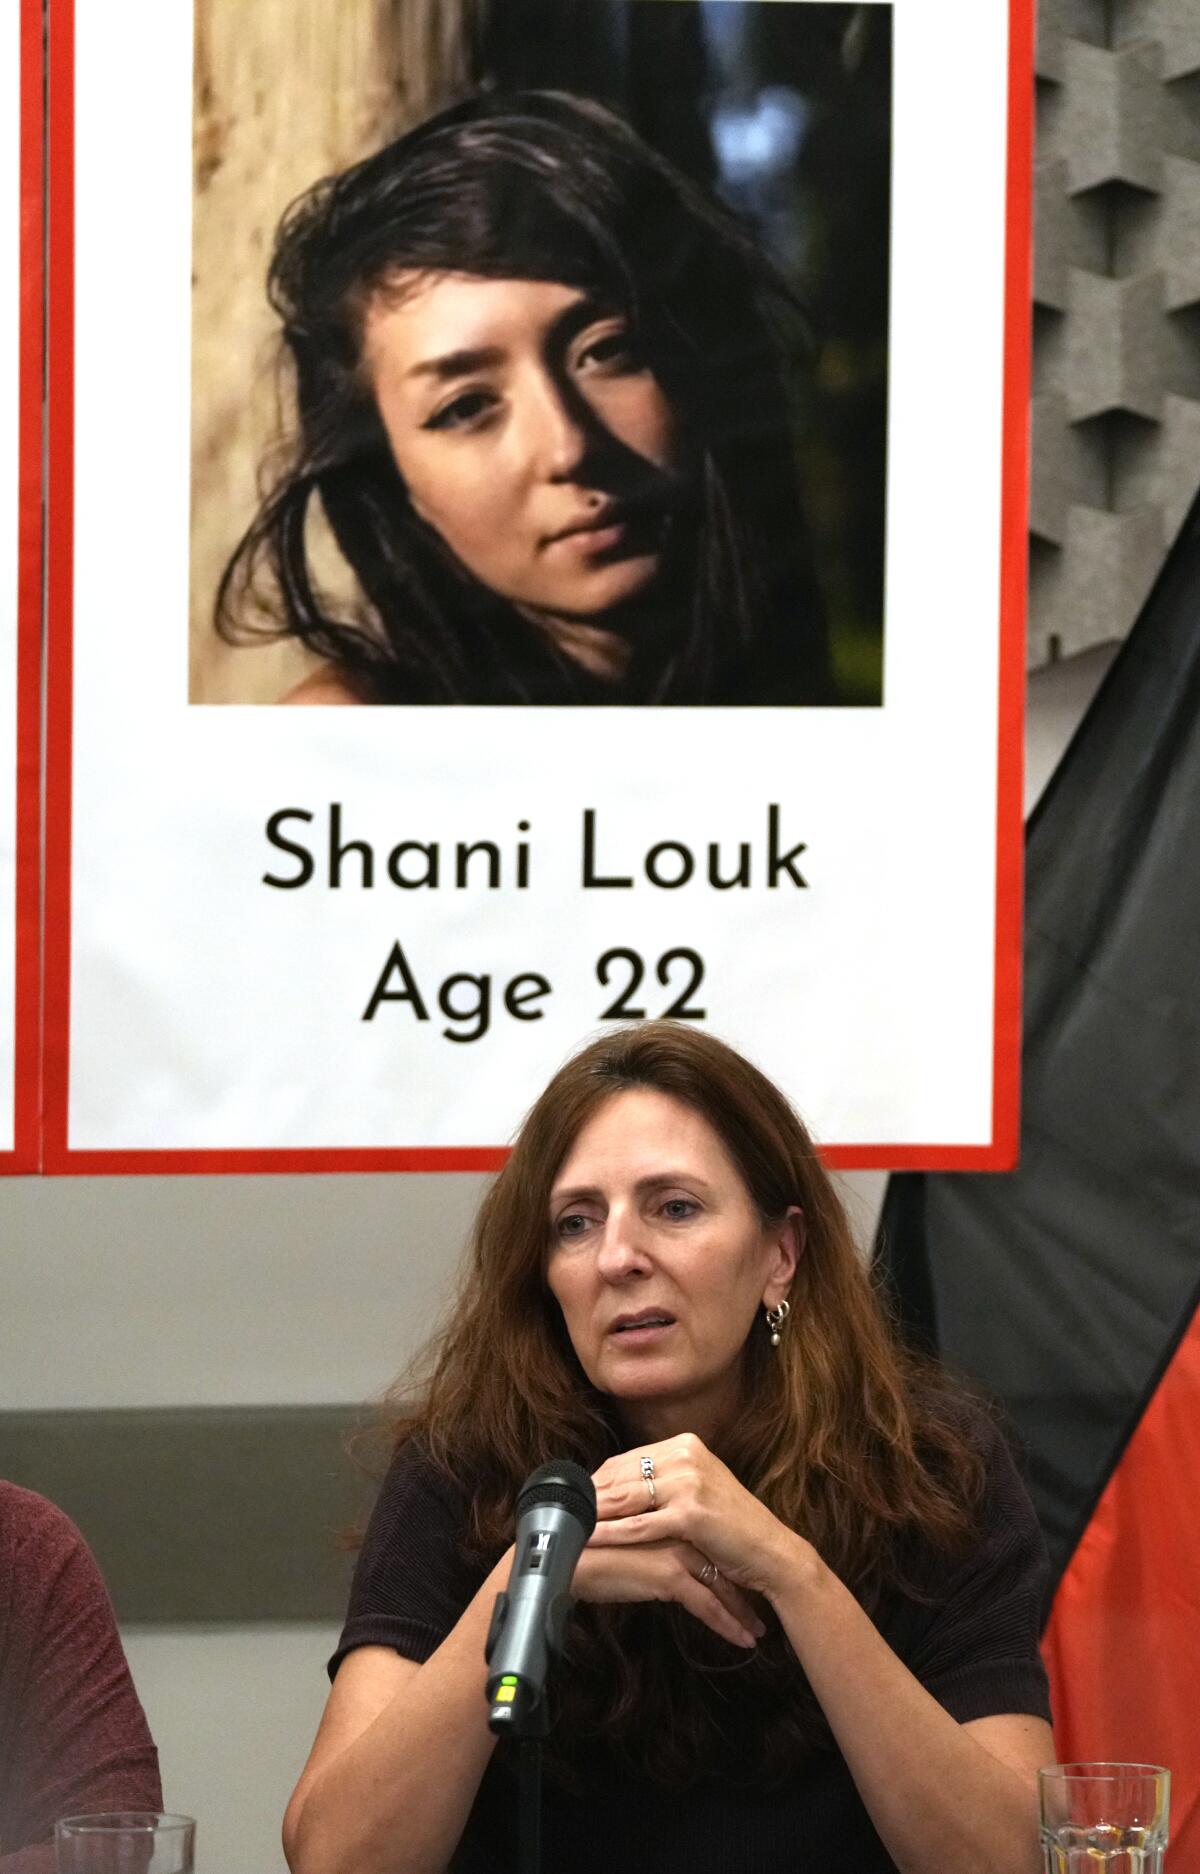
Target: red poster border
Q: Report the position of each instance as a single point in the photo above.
(999, 1155)
(24, 1155)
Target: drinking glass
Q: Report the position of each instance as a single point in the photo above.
(131, 1841)
(1110, 1816)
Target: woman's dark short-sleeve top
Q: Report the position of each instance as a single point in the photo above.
(976, 1652)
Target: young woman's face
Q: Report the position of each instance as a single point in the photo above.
(660, 1263)
(530, 435)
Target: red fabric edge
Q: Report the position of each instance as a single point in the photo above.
(24, 1155)
(1122, 1646)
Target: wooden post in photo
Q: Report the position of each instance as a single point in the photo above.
(286, 91)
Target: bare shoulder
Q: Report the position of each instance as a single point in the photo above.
(324, 687)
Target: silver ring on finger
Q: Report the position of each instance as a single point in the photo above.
(710, 1574)
(648, 1480)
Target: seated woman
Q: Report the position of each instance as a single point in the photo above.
(807, 1630)
(540, 384)
(73, 1736)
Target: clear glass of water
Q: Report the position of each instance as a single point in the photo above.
(131, 1841)
(1104, 1816)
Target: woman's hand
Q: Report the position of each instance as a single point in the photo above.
(697, 1501)
(668, 1571)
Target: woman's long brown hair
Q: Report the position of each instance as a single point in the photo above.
(849, 1438)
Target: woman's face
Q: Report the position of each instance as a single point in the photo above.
(651, 1223)
(530, 434)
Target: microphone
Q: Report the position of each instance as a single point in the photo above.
(556, 1513)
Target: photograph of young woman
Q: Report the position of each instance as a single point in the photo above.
(541, 394)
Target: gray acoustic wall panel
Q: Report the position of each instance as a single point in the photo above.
(235, 1513)
(1116, 379)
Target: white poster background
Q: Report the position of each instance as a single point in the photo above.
(211, 1012)
(10, 379)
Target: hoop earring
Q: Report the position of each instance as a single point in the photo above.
(775, 1319)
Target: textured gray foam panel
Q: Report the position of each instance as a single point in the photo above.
(1116, 346)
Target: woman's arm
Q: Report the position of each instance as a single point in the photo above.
(402, 1748)
(941, 1794)
(398, 1757)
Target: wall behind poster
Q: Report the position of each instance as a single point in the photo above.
(863, 973)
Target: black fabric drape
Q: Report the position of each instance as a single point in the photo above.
(1065, 1286)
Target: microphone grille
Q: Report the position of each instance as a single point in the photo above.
(560, 1482)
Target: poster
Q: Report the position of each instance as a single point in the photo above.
(21, 314)
(539, 543)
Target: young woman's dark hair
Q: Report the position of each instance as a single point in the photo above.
(546, 187)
